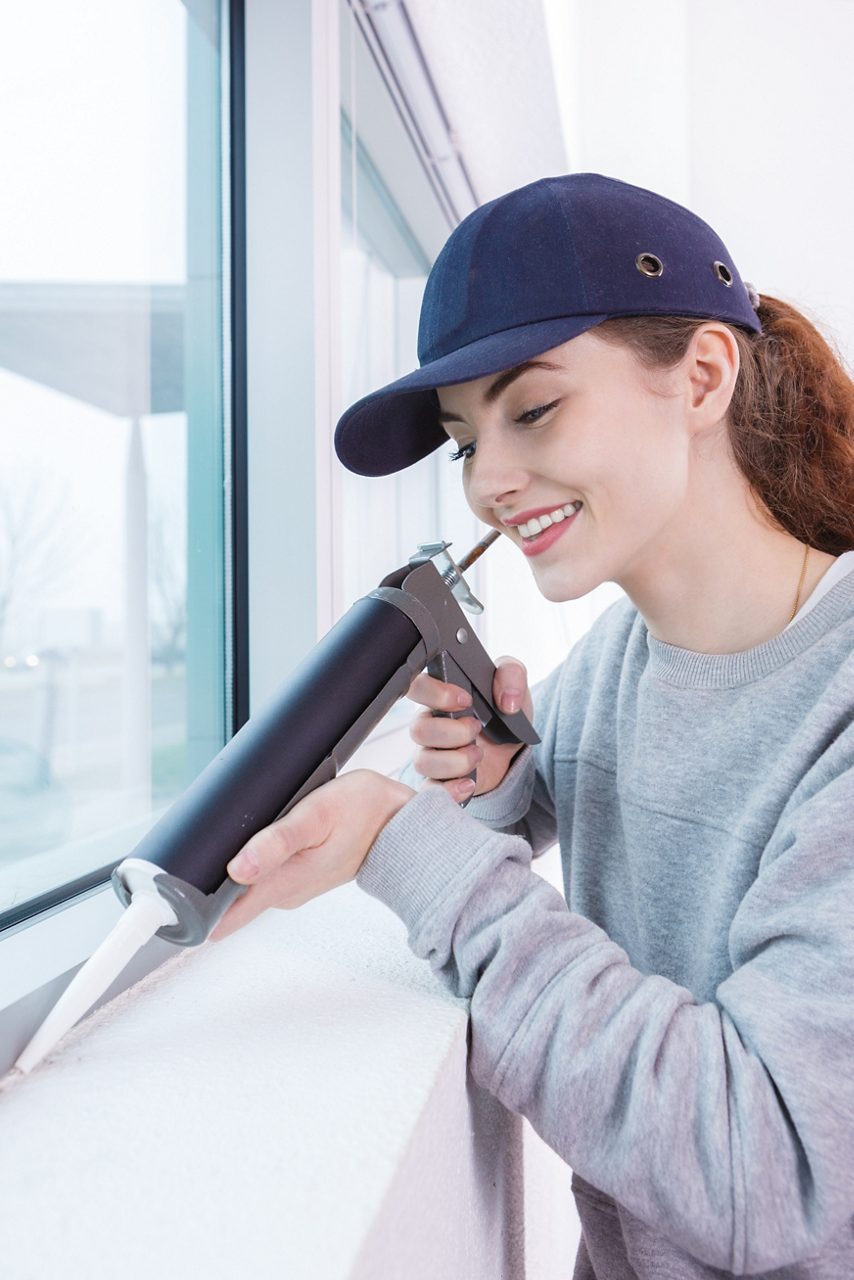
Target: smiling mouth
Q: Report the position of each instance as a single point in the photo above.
(533, 528)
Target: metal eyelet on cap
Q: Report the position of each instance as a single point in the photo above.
(723, 273)
(649, 265)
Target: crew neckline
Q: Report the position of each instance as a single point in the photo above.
(690, 668)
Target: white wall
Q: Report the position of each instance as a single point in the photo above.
(740, 109)
(489, 60)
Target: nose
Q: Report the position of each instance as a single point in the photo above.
(495, 475)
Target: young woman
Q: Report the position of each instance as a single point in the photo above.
(680, 1028)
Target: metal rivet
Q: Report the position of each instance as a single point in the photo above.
(723, 273)
(649, 265)
(462, 635)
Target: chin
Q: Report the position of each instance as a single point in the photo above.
(556, 588)
(558, 592)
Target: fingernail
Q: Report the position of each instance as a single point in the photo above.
(511, 700)
(243, 867)
(463, 699)
(466, 786)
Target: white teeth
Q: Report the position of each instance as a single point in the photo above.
(539, 523)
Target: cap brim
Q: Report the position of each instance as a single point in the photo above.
(397, 426)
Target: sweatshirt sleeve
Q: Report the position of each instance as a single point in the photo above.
(726, 1125)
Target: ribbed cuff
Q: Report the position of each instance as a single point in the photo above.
(420, 853)
(511, 799)
(505, 804)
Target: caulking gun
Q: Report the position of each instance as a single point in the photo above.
(174, 884)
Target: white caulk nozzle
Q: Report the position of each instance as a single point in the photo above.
(146, 913)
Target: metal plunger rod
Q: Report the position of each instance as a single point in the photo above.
(478, 550)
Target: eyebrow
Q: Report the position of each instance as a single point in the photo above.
(502, 382)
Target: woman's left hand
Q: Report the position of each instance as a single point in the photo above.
(320, 844)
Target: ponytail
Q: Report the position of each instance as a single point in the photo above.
(791, 417)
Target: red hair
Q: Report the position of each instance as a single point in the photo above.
(790, 420)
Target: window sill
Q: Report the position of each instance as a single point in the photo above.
(290, 1101)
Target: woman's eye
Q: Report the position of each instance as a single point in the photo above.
(533, 415)
(465, 451)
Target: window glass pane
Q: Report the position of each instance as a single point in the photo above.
(111, 416)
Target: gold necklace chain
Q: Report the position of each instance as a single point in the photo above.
(800, 584)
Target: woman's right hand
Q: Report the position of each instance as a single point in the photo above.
(449, 748)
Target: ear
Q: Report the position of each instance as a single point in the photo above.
(711, 367)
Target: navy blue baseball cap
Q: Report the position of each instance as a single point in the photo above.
(527, 272)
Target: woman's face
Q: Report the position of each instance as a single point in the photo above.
(582, 424)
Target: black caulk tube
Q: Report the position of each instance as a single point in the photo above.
(175, 882)
(279, 755)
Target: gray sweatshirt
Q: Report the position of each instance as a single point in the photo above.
(682, 1032)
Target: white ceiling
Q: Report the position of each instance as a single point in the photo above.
(492, 67)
